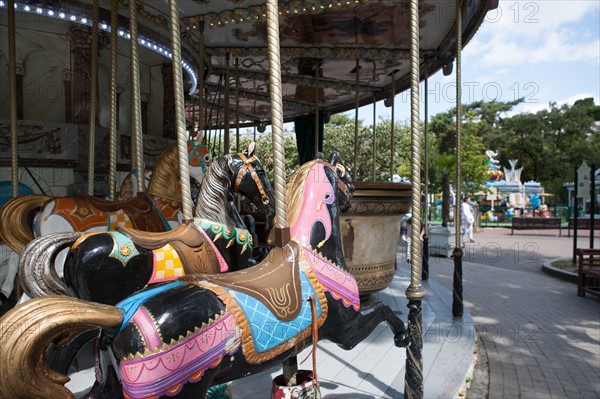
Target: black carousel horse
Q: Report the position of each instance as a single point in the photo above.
(179, 338)
(110, 266)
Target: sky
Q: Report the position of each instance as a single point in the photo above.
(545, 51)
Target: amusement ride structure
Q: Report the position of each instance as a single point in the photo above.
(120, 79)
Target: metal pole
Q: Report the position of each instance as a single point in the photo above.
(277, 112)
(237, 104)
(392, 141)
(136, 106)
(374, 135)
(457, 301)
(93, 89)
(184, 173)
(356, 104)
(282, 232)
(575, 212)
(413, 379)
(317, 124)
(12, 87)
(425, 268)
(201, 89)
(112, 132)
(226, 141)
(592, 204)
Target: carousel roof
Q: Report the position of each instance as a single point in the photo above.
(324, 37)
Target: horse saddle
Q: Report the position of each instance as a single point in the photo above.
(140, 209)
(275, 281)
(186, 239)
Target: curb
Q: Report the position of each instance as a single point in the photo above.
(558, 273)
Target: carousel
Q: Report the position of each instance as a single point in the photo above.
(163, 284)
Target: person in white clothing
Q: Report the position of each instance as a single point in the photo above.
(467, 220)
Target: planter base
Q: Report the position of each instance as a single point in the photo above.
(442, 240)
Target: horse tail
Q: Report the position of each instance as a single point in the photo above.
(28, 329)
(17, 216)
(37, 273)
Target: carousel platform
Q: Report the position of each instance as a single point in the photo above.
(375, 368)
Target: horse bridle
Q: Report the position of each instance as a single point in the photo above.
(340, 183)
(247, 166)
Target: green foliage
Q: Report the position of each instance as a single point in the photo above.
(549, 144)
(339, 136)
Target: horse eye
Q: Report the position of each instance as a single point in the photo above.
(207, 157)
(327, 196)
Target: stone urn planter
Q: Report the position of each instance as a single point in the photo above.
(370, 232)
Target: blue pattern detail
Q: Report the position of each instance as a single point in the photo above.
(267, 330)
(130, 305)
(121, 240)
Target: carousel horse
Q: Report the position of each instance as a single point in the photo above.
(179, 338)
(26, 217)
(157, 210)
(110, 266)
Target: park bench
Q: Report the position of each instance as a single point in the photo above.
(522, 223)
(582, 224)
(589, 272)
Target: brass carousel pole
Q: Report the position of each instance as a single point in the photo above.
(413, 385)
(201, 83)
(12, 96)
(425, 268)
(136, 106)
(374, 134)
(356, 104)
(237, 104)
(317, 124)
(93, 95)
(184, 173)
(112, 132)
(226, 141)
(237, 117)
(392, 141)
(282, 231)
(457, 301)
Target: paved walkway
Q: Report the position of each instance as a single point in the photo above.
(542, 341)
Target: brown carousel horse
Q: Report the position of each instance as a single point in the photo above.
(179, 338)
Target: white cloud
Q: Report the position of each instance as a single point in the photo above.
(533, 108)
(530, 18)
(534, 32)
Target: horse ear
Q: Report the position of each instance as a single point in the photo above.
(251, 148)
(198, 139)
(334, 158)
(319, 155)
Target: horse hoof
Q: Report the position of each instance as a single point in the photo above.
(401, 340)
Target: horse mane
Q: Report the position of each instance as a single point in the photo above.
(294, 189)
(215, 192)
(165, 177)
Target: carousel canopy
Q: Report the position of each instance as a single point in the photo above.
(321, 42)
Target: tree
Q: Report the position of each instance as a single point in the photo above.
(339, 136)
